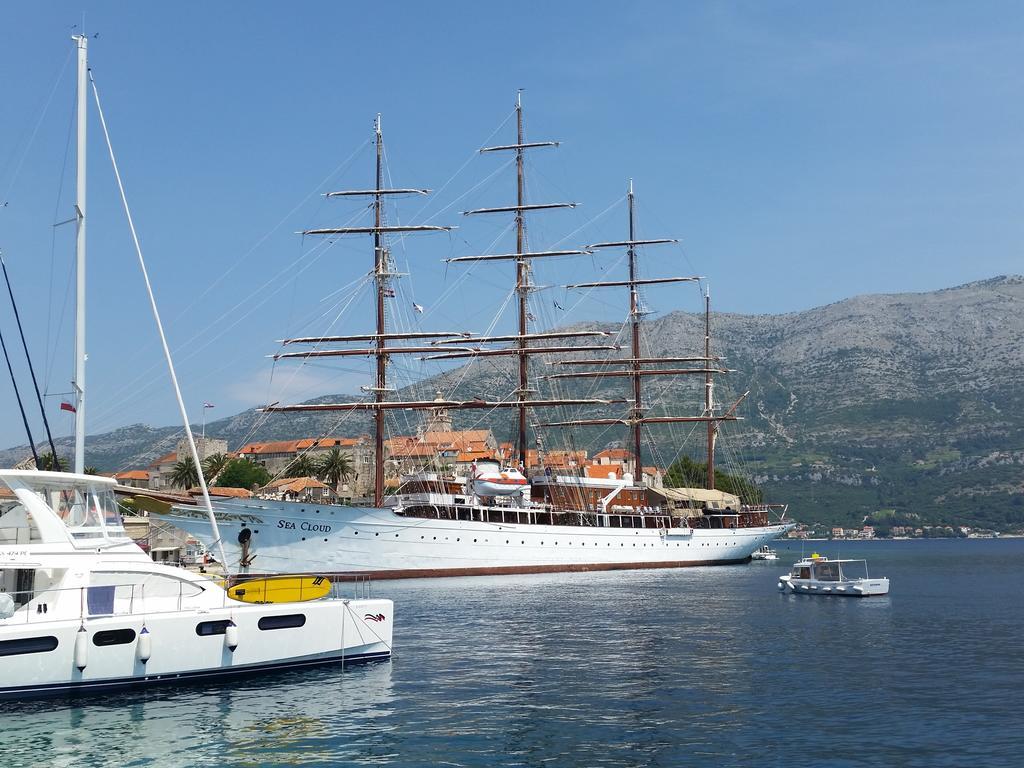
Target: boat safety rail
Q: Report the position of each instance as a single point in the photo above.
(95, 600)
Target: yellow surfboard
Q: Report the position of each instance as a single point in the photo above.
(281, 589)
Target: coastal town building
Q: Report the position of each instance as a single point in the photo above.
(277, 456)
(161, 471)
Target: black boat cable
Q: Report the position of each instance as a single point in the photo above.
(31, 368)
(17, 394)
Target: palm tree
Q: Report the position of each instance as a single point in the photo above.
(48, 463)
(90, 470)
(335, 468)
(213, 465)
(302, 466)
(184, 474)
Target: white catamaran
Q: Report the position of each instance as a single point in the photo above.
(83, 609)
(495, 520)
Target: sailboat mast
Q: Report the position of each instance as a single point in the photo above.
(709, 393)
(522, 282)
(380, 269)
(634, 314)
(78, 384)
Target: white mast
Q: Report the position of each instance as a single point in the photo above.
(78, 383)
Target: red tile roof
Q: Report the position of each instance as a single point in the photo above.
(604, 470)
(216, 490)
(299, 484)
(615, 454)
(465, 456)
(132, 474)
(170, 458)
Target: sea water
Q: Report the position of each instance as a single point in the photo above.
(691, 667)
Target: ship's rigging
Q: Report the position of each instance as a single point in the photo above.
(383, 349)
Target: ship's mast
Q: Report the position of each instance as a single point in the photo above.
(522, 259)
(382, 275)
(635, 368)
(447, 345)
(522, 283)
(78, 384)
(379, 279)
(634, 315)
(709, 392)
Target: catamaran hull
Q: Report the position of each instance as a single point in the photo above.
(342, 541)
(46, 658)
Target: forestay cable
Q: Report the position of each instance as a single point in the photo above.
(160, 330)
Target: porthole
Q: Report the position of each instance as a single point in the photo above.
(207, 628)
(28, 645)
(113, 637)
(287, 621)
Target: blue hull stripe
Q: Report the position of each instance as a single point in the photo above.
(205, 675)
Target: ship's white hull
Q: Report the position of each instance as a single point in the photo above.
(294, 537)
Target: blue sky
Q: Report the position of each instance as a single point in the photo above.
(802, 152)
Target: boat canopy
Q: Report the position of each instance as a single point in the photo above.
(48, 506)
(718, 500)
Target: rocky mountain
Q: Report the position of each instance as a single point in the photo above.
(910, 402)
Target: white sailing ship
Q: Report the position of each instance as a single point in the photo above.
(496, 520)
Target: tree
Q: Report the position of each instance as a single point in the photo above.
(47, 463)
(184, 474)
(213, 465)
(687, 473)
(241, 473)
(302, 466)
(90, 470)
(335, 468)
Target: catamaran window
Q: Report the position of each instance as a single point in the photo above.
(282, 622)
(108, 510)
(208, 628)
(113, 637)
(27, 645)
(90, 514)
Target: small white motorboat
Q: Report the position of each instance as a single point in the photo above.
(818, 575)
(764, 553)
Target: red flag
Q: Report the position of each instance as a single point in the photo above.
(68, 407)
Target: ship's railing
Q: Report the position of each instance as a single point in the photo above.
(100, 600)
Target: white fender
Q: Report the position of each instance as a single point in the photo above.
(81, 648)
(145, 645)
(231, 636)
